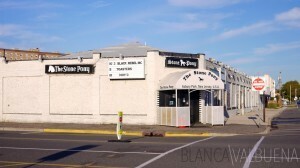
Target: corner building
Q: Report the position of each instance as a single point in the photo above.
(150, 86)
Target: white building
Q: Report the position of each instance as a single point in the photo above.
(150, 86)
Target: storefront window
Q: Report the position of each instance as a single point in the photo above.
(207, 98)
(213, 101)
(216, 99)
(183, 98)
(167, 98)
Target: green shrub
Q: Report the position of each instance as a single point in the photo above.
(272, 105)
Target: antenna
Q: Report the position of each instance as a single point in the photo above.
(279, 83)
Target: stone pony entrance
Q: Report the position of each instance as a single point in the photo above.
(188, 97)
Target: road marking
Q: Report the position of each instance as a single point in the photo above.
(13, 164)
(24, 133)
(170, 151)
(250, 156)
(285, 135)
(279, 158)
(87, 151)
(48, 164)
(94, 141)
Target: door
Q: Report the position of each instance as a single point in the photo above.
(194, 106)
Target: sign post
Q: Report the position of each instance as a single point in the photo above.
(119, 125)
(264, 107)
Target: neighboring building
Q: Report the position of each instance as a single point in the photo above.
(239, 97)
(150, 86)
(23, 55)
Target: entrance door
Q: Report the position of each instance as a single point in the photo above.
(194, 106)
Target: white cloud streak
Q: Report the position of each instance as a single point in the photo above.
(245, 60)
(9, 29)
(203, 3)
(27, 5)
(99, 4)
(254, 29)
(24, 35)
(290, 18)
(181, 26)
(275, 48)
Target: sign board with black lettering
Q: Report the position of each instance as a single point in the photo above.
(126, 69)
(69, 69)
(181, 62)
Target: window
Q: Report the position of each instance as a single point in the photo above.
(167, 98)
(183, 98)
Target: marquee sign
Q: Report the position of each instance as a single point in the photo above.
(181, 62)
(193, 79)
(69, 69)
(126, 69)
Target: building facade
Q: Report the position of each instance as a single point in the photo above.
(23, 55)
(150, 86)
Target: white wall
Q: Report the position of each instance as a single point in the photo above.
(28, 94)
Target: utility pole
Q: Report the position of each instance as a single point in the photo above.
(290, 94)
(264, 107)
(279, 83)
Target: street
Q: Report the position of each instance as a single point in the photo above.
(278, 148)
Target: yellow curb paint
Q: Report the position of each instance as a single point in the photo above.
(129, 133)
(104, 132)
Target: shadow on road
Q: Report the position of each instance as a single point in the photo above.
(63, 154)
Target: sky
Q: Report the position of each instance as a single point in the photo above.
(254, 36)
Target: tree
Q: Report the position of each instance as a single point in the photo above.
(286, 92)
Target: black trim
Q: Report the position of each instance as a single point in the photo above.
(174, 54)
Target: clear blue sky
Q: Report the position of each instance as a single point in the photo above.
(255, 36)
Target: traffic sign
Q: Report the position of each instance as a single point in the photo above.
(258, 84)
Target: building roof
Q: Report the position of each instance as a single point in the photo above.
(126, 50)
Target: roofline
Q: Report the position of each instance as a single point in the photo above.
(5, 49)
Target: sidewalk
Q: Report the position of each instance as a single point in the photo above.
(255, 118)
(250, 123)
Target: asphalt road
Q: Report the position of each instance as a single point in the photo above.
(279, 148)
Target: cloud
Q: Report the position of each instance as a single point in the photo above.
(27, 5)
(24, 36)
(181, 26)
(9, 29)
(203, 3)
(254, 29)
(245, 60)
(3, 45)
(230, 54)
(99, 4)
(290, 18)
(275, 48)
(47, 16)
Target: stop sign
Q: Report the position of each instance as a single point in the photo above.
(258, 84)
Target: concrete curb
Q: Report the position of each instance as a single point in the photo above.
(110, 132)
(21, 129)
(102, 132)
(174, 134)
